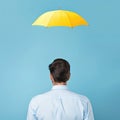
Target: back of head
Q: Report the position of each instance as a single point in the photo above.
(60, 70)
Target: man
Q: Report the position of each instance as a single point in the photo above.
(60, 103)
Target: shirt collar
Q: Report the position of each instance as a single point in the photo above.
(59, 87)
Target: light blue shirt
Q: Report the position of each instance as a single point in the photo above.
(60, 104)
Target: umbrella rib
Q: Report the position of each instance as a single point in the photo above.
(50, 19)
(68, 19)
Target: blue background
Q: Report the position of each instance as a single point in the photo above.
(26, 51)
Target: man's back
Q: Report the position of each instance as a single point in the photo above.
(60, 104)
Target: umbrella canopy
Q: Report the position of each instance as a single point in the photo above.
(60, 18)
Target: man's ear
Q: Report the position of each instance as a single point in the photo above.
(68, 76)
(51, 77)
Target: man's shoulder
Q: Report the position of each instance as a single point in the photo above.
(40, 96)
(38, 100)
(79, 96)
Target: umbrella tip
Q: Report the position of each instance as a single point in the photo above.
(60, 8)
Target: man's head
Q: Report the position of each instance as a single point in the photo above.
(59, 70)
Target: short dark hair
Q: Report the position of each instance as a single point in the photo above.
(60, 70)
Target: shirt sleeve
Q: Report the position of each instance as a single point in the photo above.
(31, 115)
(88, 115)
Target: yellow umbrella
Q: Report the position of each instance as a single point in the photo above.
(60, 18)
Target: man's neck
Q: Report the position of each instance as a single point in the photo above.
(62, 83)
